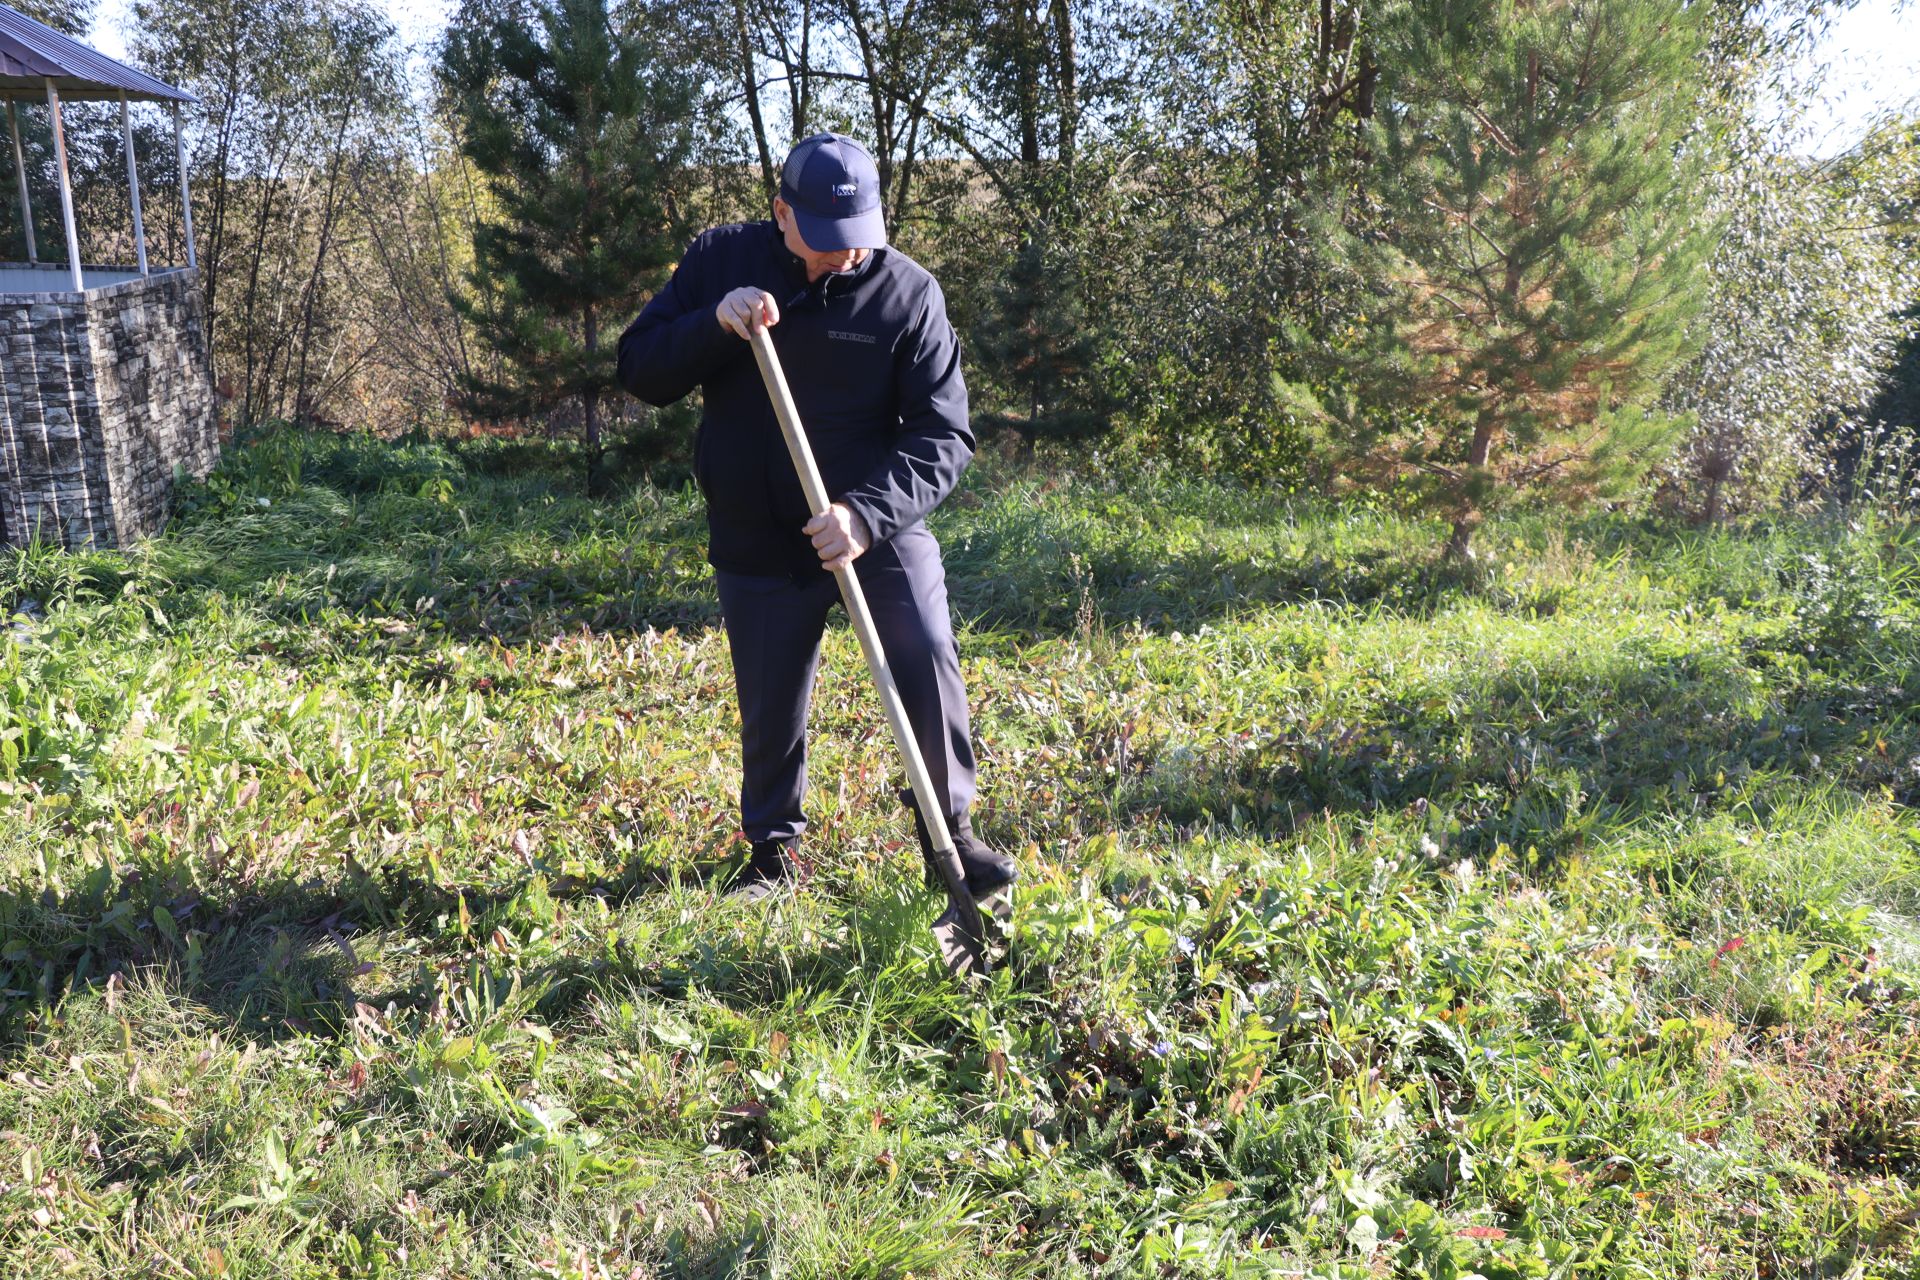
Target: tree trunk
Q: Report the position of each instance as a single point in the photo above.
(302, 399)
(1027, 69)
(463, 363)
(1069, 85)
(215, 237)
(803, 108)
(1364, 90)
(1520, 204)
(902, 197)
(590, 398)
(1718, 473)
(878, 97)
(749, 83)
(269, 185)
(1468, 517)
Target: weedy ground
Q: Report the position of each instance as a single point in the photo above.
(1559, 916)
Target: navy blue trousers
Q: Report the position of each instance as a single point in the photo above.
(774, 626)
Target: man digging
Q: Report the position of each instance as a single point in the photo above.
(874, 367)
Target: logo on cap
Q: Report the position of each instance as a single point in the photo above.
(844, 189)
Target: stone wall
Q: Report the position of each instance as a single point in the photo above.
(154, 387)
(101, 394)
(53, 474)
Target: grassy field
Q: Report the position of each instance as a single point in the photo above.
(1559, 918)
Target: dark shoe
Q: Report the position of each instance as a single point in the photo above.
(987, 871)
(770, 869)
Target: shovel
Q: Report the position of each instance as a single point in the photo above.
(959, 931)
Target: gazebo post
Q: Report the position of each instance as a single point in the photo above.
(66, 188)
(186, 199)
(133, 186)
(20, 167)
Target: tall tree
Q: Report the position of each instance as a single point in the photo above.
(1206, 134)
(70, 16)
(1805, 309)
(909, 52)
(290, 92)
(1041, 348)
(1806, 291)
(1543, 256)
(580, 127)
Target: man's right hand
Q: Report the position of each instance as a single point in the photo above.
(746, 309)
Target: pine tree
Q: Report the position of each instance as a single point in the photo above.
(578, 124)
(1536, 243)
(1039, 345)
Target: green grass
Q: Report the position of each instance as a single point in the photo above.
(1556, 917)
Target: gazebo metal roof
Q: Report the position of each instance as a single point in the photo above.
(31, 53)
(36, 61)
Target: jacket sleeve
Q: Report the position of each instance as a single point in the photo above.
(677, 342)
(933, 442)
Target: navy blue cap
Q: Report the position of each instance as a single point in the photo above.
(833, 188)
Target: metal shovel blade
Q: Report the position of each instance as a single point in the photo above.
(959, 932)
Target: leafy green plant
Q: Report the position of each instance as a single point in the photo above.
(1554, 918)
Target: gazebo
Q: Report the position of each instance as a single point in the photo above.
(105, 378)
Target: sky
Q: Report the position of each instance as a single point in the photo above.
(417, 21)
(1873, 49)
(1873, 52)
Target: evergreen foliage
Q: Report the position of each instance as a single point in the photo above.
(580, 128)
(1538, 198)
(1040, 343)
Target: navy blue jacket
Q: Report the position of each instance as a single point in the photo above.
(874, 366)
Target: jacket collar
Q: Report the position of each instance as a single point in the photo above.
(826, 286)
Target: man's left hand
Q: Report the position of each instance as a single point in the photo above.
(839, 535)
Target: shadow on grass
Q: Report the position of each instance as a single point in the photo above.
(276, 962)
(1553, 762)
(1028, 589)
(356, 539)
(304, 526)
